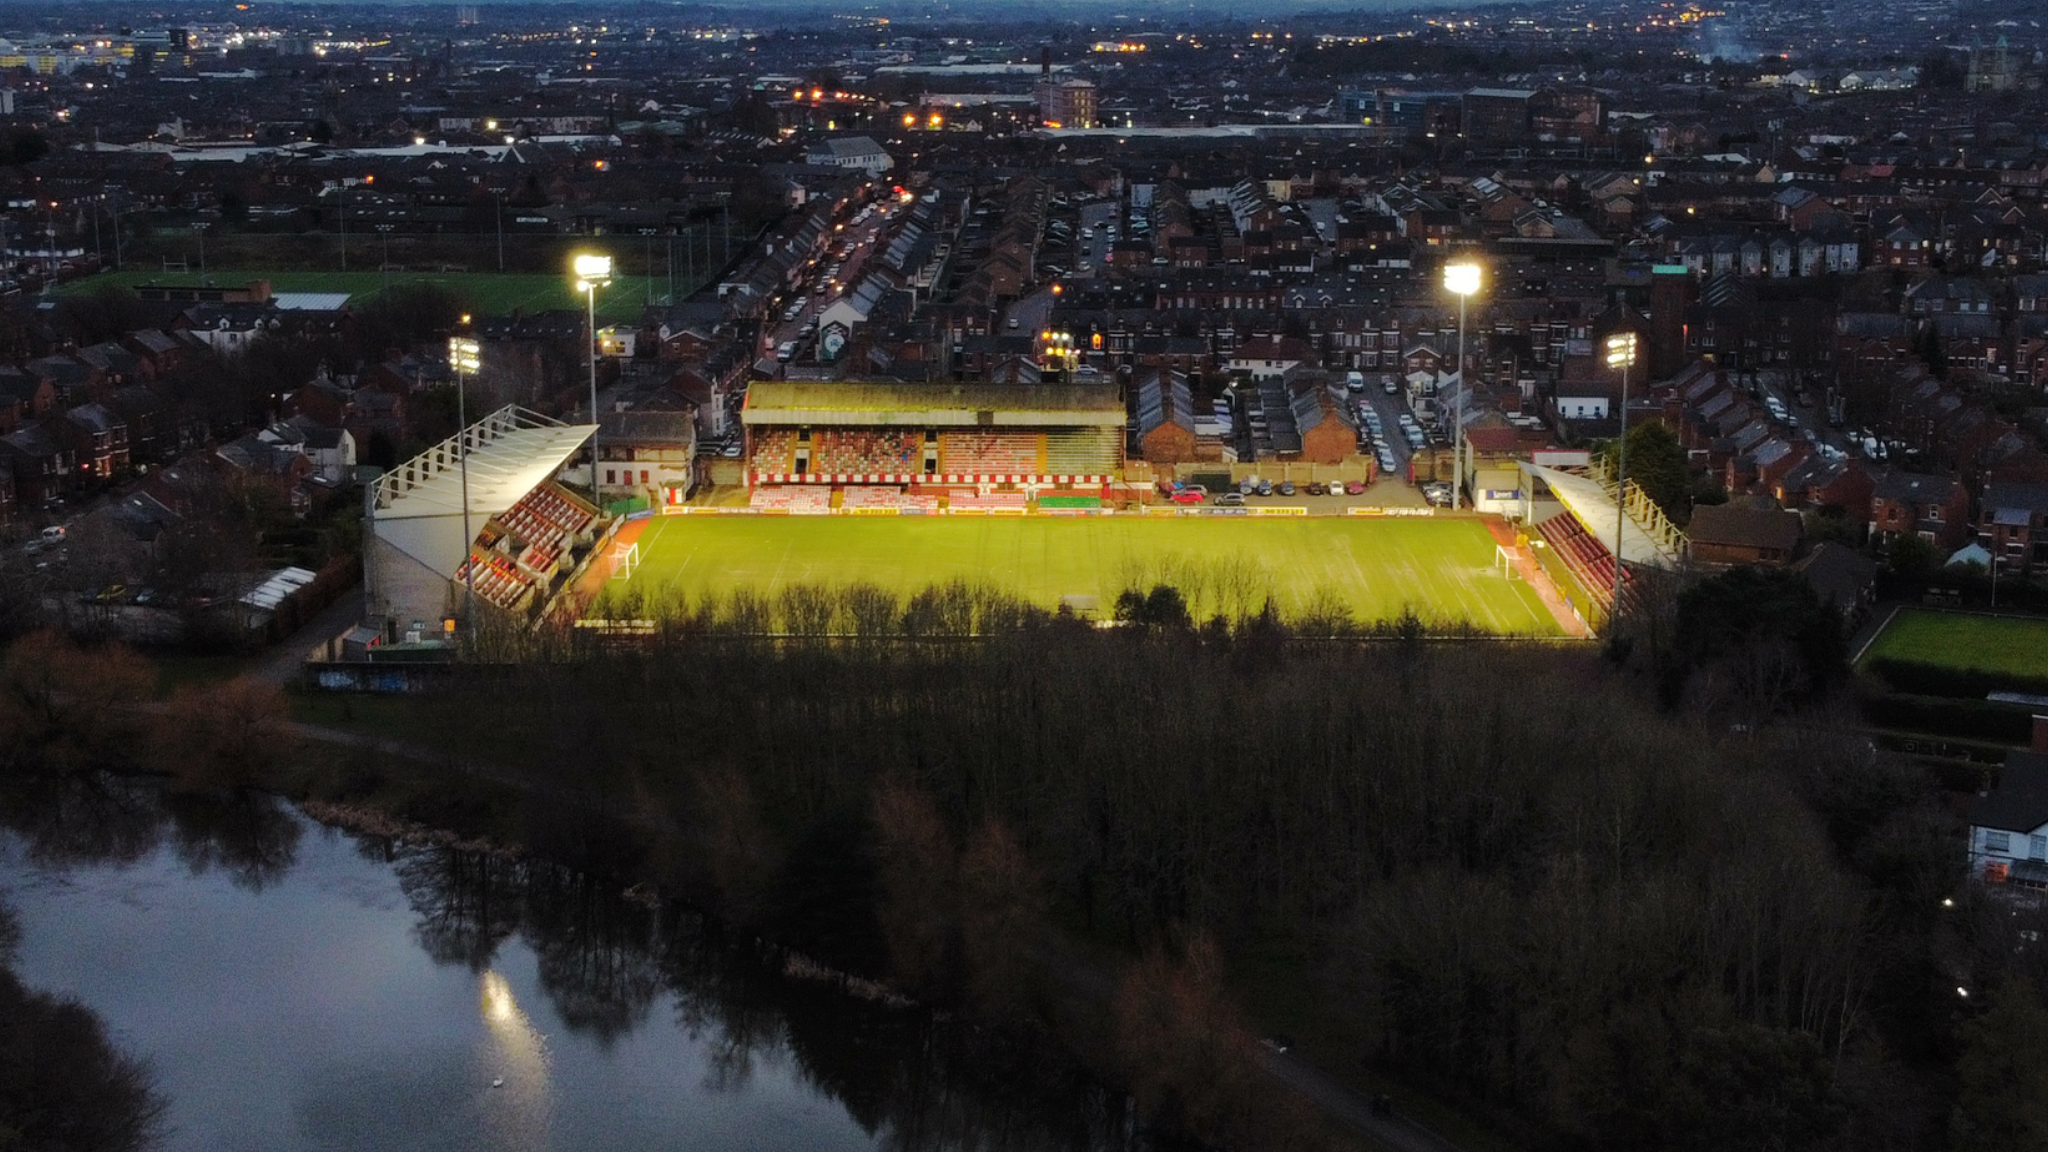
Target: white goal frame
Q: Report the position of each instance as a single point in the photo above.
(624, 560)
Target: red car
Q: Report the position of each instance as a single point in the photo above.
(1189, 496)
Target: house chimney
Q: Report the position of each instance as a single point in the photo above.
(2041, 735)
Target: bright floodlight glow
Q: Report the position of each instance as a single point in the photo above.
(465, 354)
(1461, 278)
(592, 268)
(1621, 350)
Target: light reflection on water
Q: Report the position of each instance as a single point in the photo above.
(519, 1111)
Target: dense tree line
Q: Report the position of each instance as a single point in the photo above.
(1691, 908)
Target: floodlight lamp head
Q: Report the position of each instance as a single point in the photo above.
(1621, 350)
(592, 269)
(1461, 278)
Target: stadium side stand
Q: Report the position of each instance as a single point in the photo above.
(775, 449)
(969, 499)
(862, 451)
(520, 550)
(869, 496)
(1588, 559)
(498, 580)
(1082, 452)
(797, 501)
(990, 453)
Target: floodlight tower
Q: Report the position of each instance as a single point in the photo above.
(1621, 353)
(593, 271)
(465, 356)
(1461, 279)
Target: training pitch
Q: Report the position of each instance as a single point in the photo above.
(486, 293)
(1441, 569)
(2011, 645)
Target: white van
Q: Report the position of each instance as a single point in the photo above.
(1354, 381)
(786, 351)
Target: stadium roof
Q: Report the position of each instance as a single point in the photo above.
(779, 402)
(1593, 505)
(418, 505)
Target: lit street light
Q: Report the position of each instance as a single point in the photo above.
(1621, 353)
(593, 271)
(1461, 279)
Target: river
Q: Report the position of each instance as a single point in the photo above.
(298, 987)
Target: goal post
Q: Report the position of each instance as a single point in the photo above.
(1505, 560)
(625, 558)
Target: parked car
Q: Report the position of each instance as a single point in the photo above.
(1265, 487)
(1287, 487)
(1247, 486)
(1354, 487)
(1188, 496)
(1316, 488)
(1230, 499)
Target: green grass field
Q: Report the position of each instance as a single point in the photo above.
(484, 293)
(1442, 569)
(2009, 645)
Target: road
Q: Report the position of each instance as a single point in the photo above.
(860, 243)
(1092, 240)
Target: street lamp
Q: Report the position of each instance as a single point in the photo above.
(1621, 353)
(465, 356)
(1462, 279)
(593, 271)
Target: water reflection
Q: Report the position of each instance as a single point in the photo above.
(909, 1079)
(88, 819)
(518, 1114)
(591, 1021)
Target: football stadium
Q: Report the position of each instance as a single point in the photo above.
(1019, 489)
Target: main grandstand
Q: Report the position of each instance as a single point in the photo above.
(908, 445)
(1582, 532)
(528, 538)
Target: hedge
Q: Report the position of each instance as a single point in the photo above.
(1968, 719)
(1923, 679)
